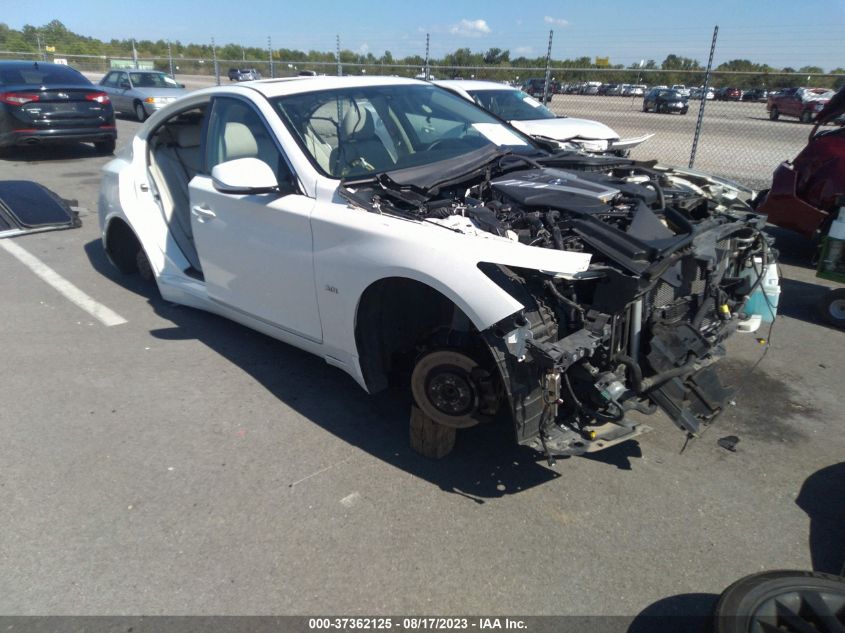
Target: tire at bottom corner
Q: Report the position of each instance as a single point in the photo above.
(738, 603)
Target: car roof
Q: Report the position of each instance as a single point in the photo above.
(299, 84)
(472, 84)
(22, 63)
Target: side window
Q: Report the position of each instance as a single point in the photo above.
(235, 130)
(108, 80)
(122, 80)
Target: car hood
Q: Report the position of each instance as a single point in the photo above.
(566, 128)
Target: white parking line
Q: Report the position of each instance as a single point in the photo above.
(104, 315)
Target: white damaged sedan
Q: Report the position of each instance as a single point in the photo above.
(395, 229)
(530, 116)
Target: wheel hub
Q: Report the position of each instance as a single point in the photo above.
(449, 389)
(837, 309)
(445, 389)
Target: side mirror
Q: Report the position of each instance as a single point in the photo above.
(244, 176)
(181, 85)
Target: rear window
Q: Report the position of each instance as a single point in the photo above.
(41, 75)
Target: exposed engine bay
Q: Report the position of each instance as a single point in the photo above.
(675, 255)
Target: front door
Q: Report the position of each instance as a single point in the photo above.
(255, 250)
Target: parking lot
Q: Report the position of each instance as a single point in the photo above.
(178, 463)
(738, 140)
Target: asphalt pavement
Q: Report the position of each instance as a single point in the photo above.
(179, 463)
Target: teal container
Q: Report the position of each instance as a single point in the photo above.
(764, 300)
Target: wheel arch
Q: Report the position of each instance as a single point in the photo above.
(118, 240)
(396, 314)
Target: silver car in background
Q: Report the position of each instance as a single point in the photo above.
(140, 92)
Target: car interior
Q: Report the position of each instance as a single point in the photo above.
(174, 160)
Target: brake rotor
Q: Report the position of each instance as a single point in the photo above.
(444, 388)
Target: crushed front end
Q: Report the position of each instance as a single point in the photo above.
(675, 256)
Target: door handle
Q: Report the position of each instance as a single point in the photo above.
(203, 213)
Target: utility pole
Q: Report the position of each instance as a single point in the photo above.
(134, 56)
(427, 67)
(548, 69)
(41, 55)
(700, 119)
(170, 59)
(214, 60)
(339, 66)
(270, 52)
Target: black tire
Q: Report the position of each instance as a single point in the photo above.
(832, 307)
(123, 248)
(661, 109)
(774, 114)
(645, 109)
(806, 116)
(140, 112)
(789, 601)
(106, 148)
(142, 265)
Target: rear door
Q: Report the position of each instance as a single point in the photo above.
(121, 98)
(255, 250)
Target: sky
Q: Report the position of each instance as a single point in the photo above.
(778, 32)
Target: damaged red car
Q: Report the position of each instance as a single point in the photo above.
(804, 192)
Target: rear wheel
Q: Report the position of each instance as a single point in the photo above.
(788, 601)
(806, 116)
(124, 249)
(140, 113)
(774, 114)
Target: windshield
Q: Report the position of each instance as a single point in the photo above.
(152, 80)
(511, 105)
(361, 131)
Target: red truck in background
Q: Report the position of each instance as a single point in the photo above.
(802, 103)
(805, 191)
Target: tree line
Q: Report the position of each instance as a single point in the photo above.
(495, 63)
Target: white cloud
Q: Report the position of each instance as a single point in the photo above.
(524, 50)
(364, 49)
(470, 28)
(556, 21)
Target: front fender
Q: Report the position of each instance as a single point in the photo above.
(354, 248)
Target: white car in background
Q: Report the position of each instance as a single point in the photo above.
(530, 116)
(395, 229)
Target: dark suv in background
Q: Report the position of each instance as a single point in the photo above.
(52, 103)
(534, 87)
(243, 74)
(665, 100)
(729, 94)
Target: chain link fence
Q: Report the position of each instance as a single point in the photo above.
(737, 138)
